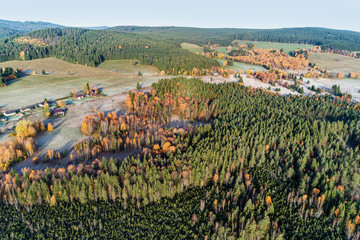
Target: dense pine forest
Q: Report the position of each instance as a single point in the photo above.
(256, 165)
(92, 47)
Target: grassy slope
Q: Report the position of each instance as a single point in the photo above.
(192, 47)
(243, 66)
(335, 62)
(34, 88)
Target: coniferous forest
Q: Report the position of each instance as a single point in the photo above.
(91, 47)
(253, 165)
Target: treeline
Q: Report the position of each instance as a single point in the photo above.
(7, 74)
(327, 38)
(267, 166)
(92, 47)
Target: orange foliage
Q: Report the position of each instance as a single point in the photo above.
(216, 178)
(268, 201)
(337, 212)
(50, 127)
(272, 59)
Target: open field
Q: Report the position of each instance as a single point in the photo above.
(222, 50)
(287, 47)
(237, 66)
(351, 86)
(335, 62)
(192, 47)
(112, 76)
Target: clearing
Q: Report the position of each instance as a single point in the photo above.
(237, 66)
(67, 129)
(335, 62)
(112, 76)
(192, 47)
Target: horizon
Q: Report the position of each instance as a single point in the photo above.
(177, 26)
(266, 15)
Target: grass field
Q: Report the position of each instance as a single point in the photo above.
(192, 47)
(112, 76)
(335, 62)
(287, 47)
(243, 66)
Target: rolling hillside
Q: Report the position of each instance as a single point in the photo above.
(328, 38)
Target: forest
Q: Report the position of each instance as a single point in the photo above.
(326, 38)
(92, 47)
(258, 166)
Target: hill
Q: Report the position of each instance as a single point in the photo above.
(328, 38)
(92, 47)
(7, 32)
(62, 77)
(27, 26)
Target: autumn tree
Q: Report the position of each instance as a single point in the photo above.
(50, 127)
(61, 103)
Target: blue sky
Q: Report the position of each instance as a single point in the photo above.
(343, 14)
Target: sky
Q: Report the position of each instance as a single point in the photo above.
(335, 14)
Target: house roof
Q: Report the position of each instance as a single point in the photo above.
(10, 112)
(58, 110)
(27, 107)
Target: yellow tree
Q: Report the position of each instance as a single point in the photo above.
(50, 127)
(52, 200)
(61, 103)
(268, 201)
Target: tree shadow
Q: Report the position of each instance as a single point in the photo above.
(10, 82)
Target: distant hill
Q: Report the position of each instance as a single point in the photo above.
(28, 26)
(11, 28)
(8, 32)
(328, 38)
(97, 28)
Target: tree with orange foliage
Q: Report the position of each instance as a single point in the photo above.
(61, 104)
(52, 200)
(350, 227)
(166, 146)
(268, 201)
(216, 178)
(50, 127)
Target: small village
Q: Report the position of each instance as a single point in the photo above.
(50, 108)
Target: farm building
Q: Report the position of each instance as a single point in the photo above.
(78, 97)
(41, 104)
(58, 111)
(27, 108)
(9, 113)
